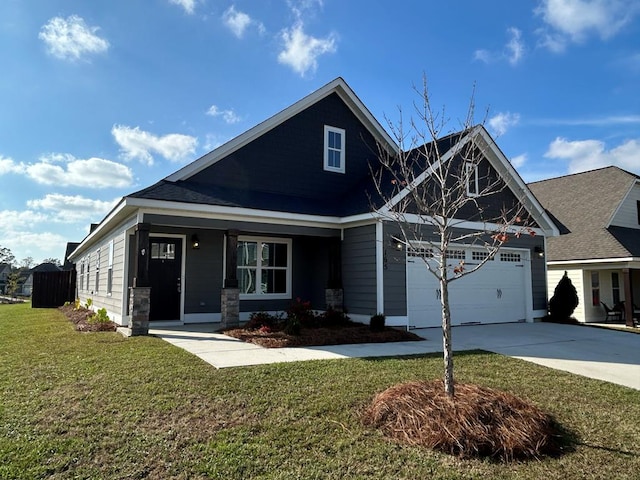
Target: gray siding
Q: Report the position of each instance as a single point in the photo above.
(395, 274)
(359, 270)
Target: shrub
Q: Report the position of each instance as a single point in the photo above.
(332, 318)
(301, 311)
(292, 326)
(377, 322)
(76, 304)
(88, 304)
(100, 316)
(258, 320)
(564, 300)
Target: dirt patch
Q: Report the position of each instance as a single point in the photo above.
(351, 333)
(476, 422)
(81, 318)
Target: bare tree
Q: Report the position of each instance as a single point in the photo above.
(434, 182)
(53, 260)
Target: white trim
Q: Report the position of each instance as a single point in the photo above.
(270, 296)
(337, 85)
(476, 185)
(343, 157)
(379, 268)
(593, 261)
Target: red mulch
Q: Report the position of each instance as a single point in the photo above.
(351, 333)
(80, 318)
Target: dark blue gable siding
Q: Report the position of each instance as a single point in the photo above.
(289, 158)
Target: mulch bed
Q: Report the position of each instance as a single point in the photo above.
(80, 318)
(476, 422)
(351, 333)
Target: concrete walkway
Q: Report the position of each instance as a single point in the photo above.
(592, 352)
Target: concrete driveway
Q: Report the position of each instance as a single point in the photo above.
(592, 352)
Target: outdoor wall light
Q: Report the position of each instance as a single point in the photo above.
(195, 242)
(397, 243)
(539, 251)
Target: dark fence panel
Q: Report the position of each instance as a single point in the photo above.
(53, 289)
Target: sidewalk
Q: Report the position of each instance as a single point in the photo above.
(596, 353)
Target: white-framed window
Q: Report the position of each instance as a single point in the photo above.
(471, 179)
(87, 276)
(510, 257)
(264, 268)
(97, 286)
(81, 282)
(110, 269)
(595, 289)
(615, 287)
(334, 150)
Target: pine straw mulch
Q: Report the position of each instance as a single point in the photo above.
(478, 422)
(80, 318)
(322, 336)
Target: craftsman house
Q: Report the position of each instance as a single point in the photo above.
(598, 214)
(283, 211)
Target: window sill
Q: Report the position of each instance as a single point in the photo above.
(265, 296)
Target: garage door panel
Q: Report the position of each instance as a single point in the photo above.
(494, 293)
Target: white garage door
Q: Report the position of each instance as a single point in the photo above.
(493, 294)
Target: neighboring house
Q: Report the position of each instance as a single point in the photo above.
(66, 263)
(282, 212)
(5, 270)
(598, 213)
(25, 282)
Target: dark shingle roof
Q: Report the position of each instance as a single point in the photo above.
(582, 206)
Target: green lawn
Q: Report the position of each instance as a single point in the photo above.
(98, 405)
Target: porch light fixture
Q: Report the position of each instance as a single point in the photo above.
(539, 251)
(397, 243)
(195, 242)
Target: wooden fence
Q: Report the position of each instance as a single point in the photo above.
(53, 289)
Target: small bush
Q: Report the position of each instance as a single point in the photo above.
(301, 311)
(292, 327)
(88, 304)
(257, 320)
(377, 322)
(77, 304)
(99, 317)
(564, 300)
(333, 318)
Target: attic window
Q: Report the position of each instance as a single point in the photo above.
(334, 153)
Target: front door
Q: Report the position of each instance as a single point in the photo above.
(165, 278)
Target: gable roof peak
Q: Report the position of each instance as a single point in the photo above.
(338, 85)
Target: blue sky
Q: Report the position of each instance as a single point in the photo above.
(101, 98)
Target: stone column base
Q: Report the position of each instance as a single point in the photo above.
(230, 307)
(334, 299)
(139, 308)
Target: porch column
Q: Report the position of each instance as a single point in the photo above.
(230, 296)
(334, 293)
(140, 292)
(628, 296)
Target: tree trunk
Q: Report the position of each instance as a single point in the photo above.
(446, 332)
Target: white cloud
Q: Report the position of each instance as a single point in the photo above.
(7, 165)
(138, 144)
(301, 51)
(513, 50)
(576, 20)
(238, 22)
(71, 208)
(189, 6)
(66, 170)
(589, 154)
(515, 46)
(229, 116)
(519, 160)
(36, 244)
(502, 121)
(71, 38)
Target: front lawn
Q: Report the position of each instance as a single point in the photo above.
(97, 405)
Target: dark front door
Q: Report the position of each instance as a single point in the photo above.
(165, 277)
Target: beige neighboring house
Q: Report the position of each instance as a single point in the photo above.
(598, 214)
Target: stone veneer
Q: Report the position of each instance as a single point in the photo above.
(139, 307)
(334, 299)
(230, 307)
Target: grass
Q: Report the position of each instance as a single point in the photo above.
(97, 405)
